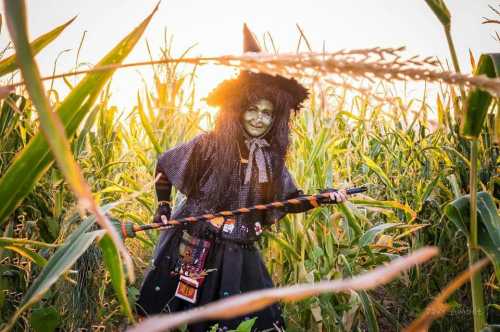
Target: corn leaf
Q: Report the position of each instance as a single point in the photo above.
(379, 171)
(478, 101)
(366, 303)
(60, 262)
(28, 253)
(458, 212)
(345, 209)
(9, 64)
(35, 159)
(6, 241)
(147, 126)
(282, 244)
(368, 237)
(114, 265)
(50, 123)
(441, 11)
(412, 215)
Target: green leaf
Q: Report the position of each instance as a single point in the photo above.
(35, 159)
(114, 265)
(246, 325)
(147, 126)
(285, 246)
(132, 294)
(79, 144)
(45, 319)
(430, 187)
(458, 212)
(441, 11)
(60, 262)
(28, 253)
(386, 204)
(368, 237)
(5, 241)
(366, 303)
(8, 116)
(352, 221)
(62, 259)
(376, 168)
(478, 101)
(48, 228)
(9, 64)
(51, 125)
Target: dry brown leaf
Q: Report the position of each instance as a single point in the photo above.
(4, 91)
(340, 69)
(438, 308)
(253, 301)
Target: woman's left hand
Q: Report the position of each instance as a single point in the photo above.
(339, 196)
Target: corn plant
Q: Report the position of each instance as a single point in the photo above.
(416, 168)
(55, 130)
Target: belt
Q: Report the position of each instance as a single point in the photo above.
(249, 244)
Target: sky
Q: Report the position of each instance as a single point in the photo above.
(215, 27)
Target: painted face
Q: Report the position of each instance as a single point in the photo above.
(258, 117)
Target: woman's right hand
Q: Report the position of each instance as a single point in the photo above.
(338, 196)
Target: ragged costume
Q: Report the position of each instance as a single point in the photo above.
(224, 169)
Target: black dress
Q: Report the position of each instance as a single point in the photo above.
(234, 262)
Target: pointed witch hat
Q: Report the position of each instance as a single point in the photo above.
(248, 81)
(250, 44)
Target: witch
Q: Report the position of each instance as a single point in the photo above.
(240, 163)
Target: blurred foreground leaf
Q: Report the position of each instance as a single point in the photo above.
(238, 305)
(114, 265)
(52, 128)
(35, 159)
(438, 308)
(9, 64)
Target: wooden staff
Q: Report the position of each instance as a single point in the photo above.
(128, 229)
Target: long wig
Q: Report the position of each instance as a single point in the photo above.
(229, 136)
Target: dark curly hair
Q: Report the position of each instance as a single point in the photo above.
(229, 135)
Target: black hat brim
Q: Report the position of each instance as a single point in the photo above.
(246, 81)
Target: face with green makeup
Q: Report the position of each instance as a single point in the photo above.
(258, 117)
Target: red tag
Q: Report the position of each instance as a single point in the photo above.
(187, 289)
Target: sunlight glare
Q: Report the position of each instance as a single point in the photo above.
(208, 78)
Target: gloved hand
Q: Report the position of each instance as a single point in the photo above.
(163, 212)
(336, 196)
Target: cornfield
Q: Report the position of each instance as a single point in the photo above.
(73, 168)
